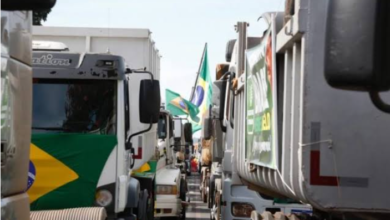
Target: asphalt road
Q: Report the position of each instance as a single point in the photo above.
(197, 209)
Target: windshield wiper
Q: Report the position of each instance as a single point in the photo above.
(49, 128)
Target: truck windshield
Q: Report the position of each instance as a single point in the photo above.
(74, 106)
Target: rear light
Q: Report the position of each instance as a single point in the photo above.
(242, 209)
(166, 190)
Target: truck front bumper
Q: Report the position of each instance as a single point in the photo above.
(167, 206)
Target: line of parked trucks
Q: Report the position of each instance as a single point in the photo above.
(286, 141)
(283, 132)
(97, 144)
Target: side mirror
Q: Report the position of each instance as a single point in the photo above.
(207, 128)
(218, 99)
(149, 101)
(177, 130)
(162, 128)
(188, 132)
(356, 56)
(26, 5)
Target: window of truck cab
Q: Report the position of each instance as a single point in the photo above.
(74, 106)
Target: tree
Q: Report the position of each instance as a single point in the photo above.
(40, 15)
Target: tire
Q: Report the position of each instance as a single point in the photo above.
(183, 189)
(150, 208)
(183, 214)
(188, 172)
(142, 210)
(205, 197)
(219, 214)
(211, 194)
(203, 189)
(186, 169)
(126, 214)
(183, 193)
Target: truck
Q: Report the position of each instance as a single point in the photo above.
(171, 183)
(296, 134)
(16, 87)
(82, 149)
(140, 53)
(227, 196)
(137, 48)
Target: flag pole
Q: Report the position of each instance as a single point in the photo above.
(197, 75)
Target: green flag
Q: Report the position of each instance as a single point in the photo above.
(179, 106)
(203, 92)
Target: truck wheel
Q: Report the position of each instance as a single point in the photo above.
(183, 193)
(211, 193)
(183, 189)
(188, 168)
(183, 214)
(142, 210)
(126, 214)
(205, 194)
(219, 214)
(150, 206)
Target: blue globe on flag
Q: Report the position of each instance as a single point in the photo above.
(199, 96)
(183, 105)
(31, 175)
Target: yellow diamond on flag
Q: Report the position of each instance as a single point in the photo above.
(50, 173)
(143, 168)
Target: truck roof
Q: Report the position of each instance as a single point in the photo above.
(49, 46)
(63, 65)
(135, 45)
(85, 31)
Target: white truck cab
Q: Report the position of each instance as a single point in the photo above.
(171, 186)
(89, 115)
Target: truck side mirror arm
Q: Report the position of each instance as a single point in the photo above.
(128, 144)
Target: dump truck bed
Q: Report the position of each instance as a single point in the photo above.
(332, 145)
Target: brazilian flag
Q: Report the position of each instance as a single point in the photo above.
(65, 169)
(177, 105)
(203, 92)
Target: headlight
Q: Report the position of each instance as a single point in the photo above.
(242, 209)
(166, 190)
(103, 198)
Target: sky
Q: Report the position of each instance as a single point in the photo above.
(180, 28)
